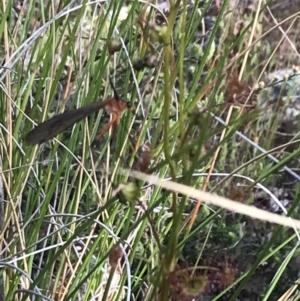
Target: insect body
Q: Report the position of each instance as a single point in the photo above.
(59, 123)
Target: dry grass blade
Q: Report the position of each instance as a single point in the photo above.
(217, 200)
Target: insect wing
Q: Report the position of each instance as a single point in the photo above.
(59, 123)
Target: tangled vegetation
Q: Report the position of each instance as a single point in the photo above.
(211, 104)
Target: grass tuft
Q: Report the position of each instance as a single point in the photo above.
(215, 95)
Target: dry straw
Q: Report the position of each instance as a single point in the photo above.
(217, 200)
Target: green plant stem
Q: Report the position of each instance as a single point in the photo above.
(168, 58)
(181, 83)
